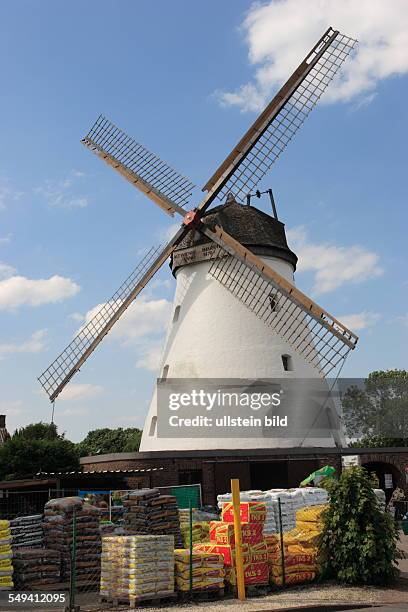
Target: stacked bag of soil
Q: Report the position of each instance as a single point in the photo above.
(59, 534)
(300, 548)
(6, 565)
(137, 567)
(314, 496)
(200, 532)
(148, 512)
(207, 570)
(222, 541)
(36, 567)
(27, 531)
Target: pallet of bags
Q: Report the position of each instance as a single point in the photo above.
(200, 532)
(58, 525)
(137, 567)
(27, 531)
(207, 570)
(36, 567)
(300, 557)
(289, 502)
(310, 519)
(222, 540)
(6, 563)
(148, 512)
(253, 515)
(314, 496)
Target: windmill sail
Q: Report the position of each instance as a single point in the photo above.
(60, 372)
(265, 140)
(165, 186)
(310, 330)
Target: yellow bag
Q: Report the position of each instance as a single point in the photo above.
(295, 578)
(311, 514)
(5, 564)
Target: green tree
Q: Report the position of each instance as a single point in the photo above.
(359, 540)
(37, 448)
(100, 441)
(39, 431)
(377, 414)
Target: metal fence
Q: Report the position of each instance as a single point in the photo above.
(68, 558)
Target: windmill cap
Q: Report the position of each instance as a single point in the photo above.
(256, 230)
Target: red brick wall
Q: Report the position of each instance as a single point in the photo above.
(169, 476)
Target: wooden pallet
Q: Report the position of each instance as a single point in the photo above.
(137, 602)
(200, 595)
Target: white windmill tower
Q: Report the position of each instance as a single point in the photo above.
(236, 312)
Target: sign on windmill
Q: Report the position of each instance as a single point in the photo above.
(214, 332)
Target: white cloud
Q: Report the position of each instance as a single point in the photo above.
(74, 392)
(141, 326)
(280, 33)
(12, 408)
(76, 316)
(73, 411)
(17, 291)
(402, 319)
(165, 234)
(6, 239)
(6, 271)
(150, 358)
(333, 266)
(361, 320)
(144, 317)
(60, 194)
(8, 194)
(35, 344)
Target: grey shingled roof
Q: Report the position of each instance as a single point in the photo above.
(258, 231)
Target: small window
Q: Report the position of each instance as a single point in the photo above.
(153, 424)
(176, 314)
(165, 372)
(287, 363)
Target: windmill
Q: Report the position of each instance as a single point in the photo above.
(214, 330)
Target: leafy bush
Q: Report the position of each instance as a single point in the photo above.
(359, 541)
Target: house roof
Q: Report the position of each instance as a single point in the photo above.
(256, 230)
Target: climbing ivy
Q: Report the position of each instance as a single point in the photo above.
(359, 540)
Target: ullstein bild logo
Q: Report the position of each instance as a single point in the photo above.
(223, 408)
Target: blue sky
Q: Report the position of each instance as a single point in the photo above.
(172, 76)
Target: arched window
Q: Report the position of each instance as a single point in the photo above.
(287, 363)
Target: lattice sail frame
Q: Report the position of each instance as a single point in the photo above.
(270, 135)
(90, 335)
(312, 339)
(240, 172)
(164, 185)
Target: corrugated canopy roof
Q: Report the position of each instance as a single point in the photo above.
(93, 472)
